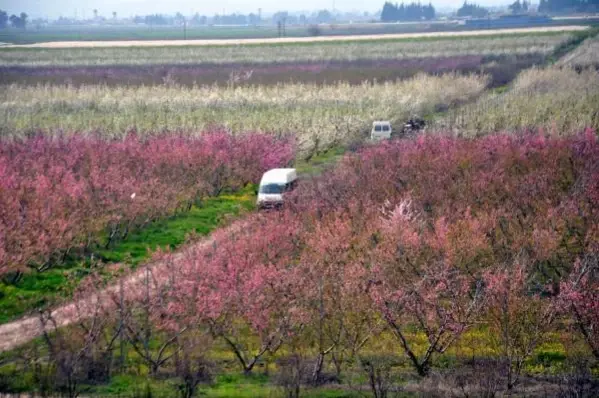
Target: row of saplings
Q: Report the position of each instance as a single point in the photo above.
(461, 258)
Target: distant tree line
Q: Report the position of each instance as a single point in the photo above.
(19, 21)
(235, 19)
(154, 19)
(321, 16)
(518, 7)
(283, 17)
(407, 12)
(556, 6)
(472, 10)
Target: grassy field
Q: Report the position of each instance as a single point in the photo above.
(435, 33)
(140, 32)
(497, 43)
(57, 36)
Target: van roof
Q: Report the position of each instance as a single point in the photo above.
(279, 175)
(381, 122)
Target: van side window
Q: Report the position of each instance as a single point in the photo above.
(290, 186)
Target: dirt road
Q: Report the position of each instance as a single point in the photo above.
(21, 331)
(226, 42)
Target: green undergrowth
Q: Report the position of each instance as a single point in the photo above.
(173, 232)
(547, 360)
(36, 290)
(133, 381)
(232, 385)
(39, 289)
(320, 162)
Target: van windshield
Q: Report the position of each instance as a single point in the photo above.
(272, 188)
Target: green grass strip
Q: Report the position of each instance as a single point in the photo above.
(37, 290)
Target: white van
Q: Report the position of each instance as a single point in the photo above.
(273, 185)
(381, 130)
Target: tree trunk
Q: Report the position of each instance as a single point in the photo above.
(247, 370)
(12, 278)
(154, 368)
(422, 369)
(338, 363)
(316, 372)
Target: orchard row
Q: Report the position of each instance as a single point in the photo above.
(65, 195)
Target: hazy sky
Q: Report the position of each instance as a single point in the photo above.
(56, 8)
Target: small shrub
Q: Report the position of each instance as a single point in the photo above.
(578, 380)
(380, 375)
(292, 373)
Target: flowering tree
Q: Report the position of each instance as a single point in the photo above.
(580, 300)
(579, 292)
(146, 318)
(244, 285)
(519, 316)
(191, 365)
(83, 352)
(333, 273)
(65, 195)
(418, 288)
